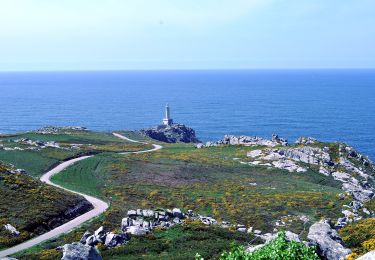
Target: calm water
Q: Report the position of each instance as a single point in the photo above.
(329, 105)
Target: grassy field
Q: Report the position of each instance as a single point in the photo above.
(210, 182)
(36, 162)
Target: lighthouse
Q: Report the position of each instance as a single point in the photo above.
(167, 119)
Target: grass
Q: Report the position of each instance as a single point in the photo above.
(31, 206)
(206, 180)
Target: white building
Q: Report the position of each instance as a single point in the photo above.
(167, 119)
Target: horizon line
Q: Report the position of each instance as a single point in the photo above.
(191, 69)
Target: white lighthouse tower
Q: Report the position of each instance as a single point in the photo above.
(167, 119)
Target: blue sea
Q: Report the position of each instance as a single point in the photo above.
(326, 104)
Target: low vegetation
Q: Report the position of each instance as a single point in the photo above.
(359, 236)
(31, 206)
(280, 248)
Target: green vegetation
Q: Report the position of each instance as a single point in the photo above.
(359, 236)
(280, 248)
(31, 206)
(208, 181)
(38, 161)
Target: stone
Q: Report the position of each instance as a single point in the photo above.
(12, 230)
(288, 165)
(252, 249)
(148, 213)
(132, 213)
(78, 251)
(85, 236)
(100, 235)
(137, 231)
(254, 153)
(113, 240)
(126, 222)
(328, 242)
(341, 196)
(200, 146)
(306, 140)
(91, 241)
(290, 236)
(368, 256)
(177, 213)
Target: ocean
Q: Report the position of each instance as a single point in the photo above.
(330, 105)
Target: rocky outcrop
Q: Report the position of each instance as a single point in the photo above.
(12, 230)
(353, 170)
(171, 134)
(247, 141)
(306, 140)
(56, 129)
(369, 256)
(328, 242)
(78, 251)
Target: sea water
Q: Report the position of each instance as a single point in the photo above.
(326, 104)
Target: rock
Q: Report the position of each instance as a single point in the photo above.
(341, 222)
(132, 213)
(257, 232)
(288, 165)
(276, 139)
(200, 146)
(100, 234)
(290, 236)
(148, 213)
(341, 196)
(91, 241)
(171, 133)
(126, 222)
(12, 230)
(113, 240)
(366, 211)
(8, 258)
(254, 153)
(78, 251)
(85, 236)
(251, 249)
(177, 213)
(327, 240)
(368, 256)
(137, 231)
(306, 140)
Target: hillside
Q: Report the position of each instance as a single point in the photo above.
(257, 186)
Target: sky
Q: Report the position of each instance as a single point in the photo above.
(186, 34)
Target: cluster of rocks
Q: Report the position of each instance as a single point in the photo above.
(171, 133)
(349, 169)
(38, 143)
(246, 141)
(321, 234)
(57, 130)
(141, 222)
(291, 158)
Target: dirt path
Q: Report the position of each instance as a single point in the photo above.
(99, 205)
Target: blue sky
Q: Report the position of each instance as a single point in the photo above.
(182, 34)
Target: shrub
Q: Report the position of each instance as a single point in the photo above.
(280, 248)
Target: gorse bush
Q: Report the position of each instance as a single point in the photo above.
(280, 248)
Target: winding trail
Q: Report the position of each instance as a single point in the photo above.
(99, 205)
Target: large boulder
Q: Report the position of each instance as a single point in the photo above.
(137, 230)
(113, 240)
(171, 133)
(327, 240)
(369, 256)
(78, 251)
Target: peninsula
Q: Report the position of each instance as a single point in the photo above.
(161, 193)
